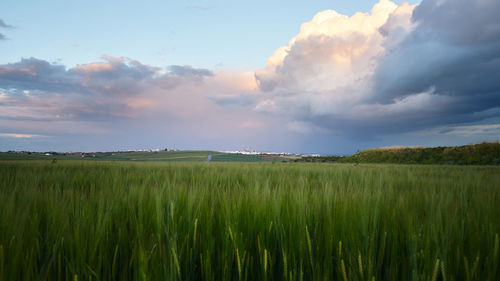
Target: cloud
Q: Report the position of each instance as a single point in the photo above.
(35, 74)
(120, 103)
(303, 127)
(387, 74)
(19, 136)
(455, 49)
(472, 130)
(234, 101)
(186, 70)
(4, 25)
(459, 21)
(395, 69)
(326, 69)
(113, 88)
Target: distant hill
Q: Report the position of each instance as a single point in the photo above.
(156, 156)
(184, 156)
(486, 153)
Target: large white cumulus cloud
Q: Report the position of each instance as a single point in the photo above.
(397, 68)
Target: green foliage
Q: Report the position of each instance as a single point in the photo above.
(91, 220)
(475, 154)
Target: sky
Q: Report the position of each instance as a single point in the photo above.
(328, 77)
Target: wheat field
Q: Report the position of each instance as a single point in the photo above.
(84, 220)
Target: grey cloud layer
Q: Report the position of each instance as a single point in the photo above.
(438, 64)
(96, 90)
(183, 70)
(235, 101)
(454, 48)
(119, 103)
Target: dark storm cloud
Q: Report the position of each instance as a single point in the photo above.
(460, 21)
(455, 50)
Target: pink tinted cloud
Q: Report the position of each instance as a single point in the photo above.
(19, 136)
(94, 67)
(117, 95)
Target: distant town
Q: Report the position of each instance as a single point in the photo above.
(92, 154)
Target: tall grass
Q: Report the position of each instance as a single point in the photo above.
(254, 221)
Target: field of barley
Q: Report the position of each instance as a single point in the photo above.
(85, 220)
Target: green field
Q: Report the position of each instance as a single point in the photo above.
(96, 220)
(169, 156)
